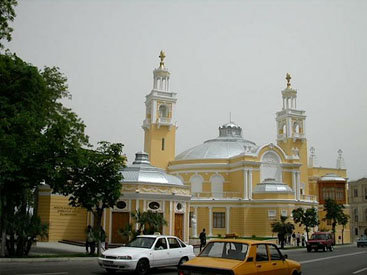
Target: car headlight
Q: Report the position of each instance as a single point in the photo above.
(124, 257)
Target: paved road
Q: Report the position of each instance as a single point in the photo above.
(342, 261)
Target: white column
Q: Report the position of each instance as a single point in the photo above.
(210, 221)
(187, 219)
(298, 185)
(195, 224)
(144, 205)
(137, 208)
(289, 128)
(245, 185)
(171, 217)
(154, 111)
(294, 184)
(228, 209)
(250, 184)
(167, 84)
(104, 219)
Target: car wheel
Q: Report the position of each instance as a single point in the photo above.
(142, 267)
(182, 261)
(316, 249)
(309, 249)
(109, 270)
(331, 248)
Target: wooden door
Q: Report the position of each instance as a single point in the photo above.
(179, 225)
(119, 221)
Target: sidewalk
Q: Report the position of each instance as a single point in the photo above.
(51, 249)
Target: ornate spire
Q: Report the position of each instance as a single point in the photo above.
(288, 78)
(162, 56)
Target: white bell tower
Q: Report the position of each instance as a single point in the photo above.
(159, 124)
(290, 121)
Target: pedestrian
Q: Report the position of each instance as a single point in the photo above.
(202, 238)
(294, 239)
(102, 237)
(87, 243)
(298, 237)
(91, 240)
(303, 240)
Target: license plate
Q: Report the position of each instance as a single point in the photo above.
(108, 262)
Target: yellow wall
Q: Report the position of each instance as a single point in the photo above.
(153, 144)
(65, 222)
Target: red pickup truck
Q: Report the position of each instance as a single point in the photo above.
(320, 240)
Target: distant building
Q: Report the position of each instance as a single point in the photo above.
(358, 207)
(226, 185)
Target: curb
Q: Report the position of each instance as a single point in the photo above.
(31, 260)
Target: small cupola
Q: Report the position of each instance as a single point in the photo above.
(230, 130)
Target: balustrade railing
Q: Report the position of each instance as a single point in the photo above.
(216, 195)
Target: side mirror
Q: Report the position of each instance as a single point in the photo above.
(285, 257)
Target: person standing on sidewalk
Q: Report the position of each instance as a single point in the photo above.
(202, 238)
(91, 240)
(87, 243)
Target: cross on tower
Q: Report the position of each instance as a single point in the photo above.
(162, 56)
(288, 77)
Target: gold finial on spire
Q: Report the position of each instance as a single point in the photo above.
(162, 56)
(288, 77)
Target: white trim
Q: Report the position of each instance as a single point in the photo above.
(228, 215)
(170, 218)
(245, 187)
(210, 220)
(195, 231)
(250, 183)
(136, 209)
(274, 204)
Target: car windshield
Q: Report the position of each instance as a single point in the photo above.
(319, 237)
(142, 242)
(227, 250)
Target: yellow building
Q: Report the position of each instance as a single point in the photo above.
(226, 185)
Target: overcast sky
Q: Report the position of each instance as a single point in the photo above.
(224, 56)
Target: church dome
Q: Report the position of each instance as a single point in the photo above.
(141, 171)
(228, 144)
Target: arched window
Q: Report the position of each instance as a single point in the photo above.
(217, 186)
(163, 111)
(270, 167)
(196, 185)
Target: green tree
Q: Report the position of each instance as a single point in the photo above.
(7, 14)
(333, 213)
(308, 218)
(94, 180)
(39, 137)
(148, 222)
(343, 220)
(283, 228)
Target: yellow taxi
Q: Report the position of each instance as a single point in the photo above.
(237, 257)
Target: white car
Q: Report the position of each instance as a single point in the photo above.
(145, 252)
